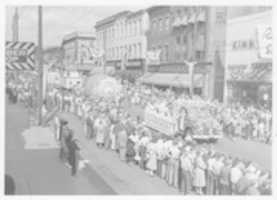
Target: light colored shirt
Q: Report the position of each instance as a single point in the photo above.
(236, 174)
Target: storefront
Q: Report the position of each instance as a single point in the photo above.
(134, 67)
(249, 60)
(177, 76)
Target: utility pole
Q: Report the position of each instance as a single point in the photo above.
(15, 26)
(40, 65)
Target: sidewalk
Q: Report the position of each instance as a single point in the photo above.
(124, 178)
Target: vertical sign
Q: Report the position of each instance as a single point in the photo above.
(265, 41)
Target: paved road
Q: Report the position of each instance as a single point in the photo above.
(40, 172)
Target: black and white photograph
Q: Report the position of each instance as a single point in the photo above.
(138, 100)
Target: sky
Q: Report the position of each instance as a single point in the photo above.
(58, 21)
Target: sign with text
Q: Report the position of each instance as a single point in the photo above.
(20, 55)
(153, 57)
(264, 33)
(159, 123)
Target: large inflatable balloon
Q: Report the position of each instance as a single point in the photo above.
(101, 85)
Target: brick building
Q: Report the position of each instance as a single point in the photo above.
(122, 37)
(194, 33)
(76, 51)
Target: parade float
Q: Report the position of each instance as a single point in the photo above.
(204, 126)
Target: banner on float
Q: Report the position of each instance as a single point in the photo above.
(159, 123)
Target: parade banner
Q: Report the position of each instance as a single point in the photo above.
(159, 123)
(20, 56)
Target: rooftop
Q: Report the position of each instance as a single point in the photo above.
(76, 35)
(111, 18)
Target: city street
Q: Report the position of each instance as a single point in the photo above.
(40, 172)
(254, 151)
(142, 100)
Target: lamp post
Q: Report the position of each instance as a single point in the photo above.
(40, 65)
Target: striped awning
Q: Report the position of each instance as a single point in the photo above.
(20, 56)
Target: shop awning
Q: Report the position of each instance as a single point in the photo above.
(260, 71)
(172, 79)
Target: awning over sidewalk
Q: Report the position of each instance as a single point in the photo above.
(172, 79)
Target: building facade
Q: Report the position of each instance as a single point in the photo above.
(122, 38)
(77, 49)
(194, 34)
(249, 59)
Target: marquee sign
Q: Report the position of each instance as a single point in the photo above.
(20, 56)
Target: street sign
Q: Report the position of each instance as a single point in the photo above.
(20, 56)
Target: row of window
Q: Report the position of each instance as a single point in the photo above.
(179, 55)
(121, 30)
(161, 24)
(129, 51)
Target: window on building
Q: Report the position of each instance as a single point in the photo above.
(161, 24)
(177, 56)
(166, 52)
(199, 55)
(178, 40)
(154, 25)
(130, 51)
(139, 50)
(135, 51)
(167, 23)
(161, 54)
(134, 28)
(140, 26)
(184, 39)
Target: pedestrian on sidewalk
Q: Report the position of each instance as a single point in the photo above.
(225, 183)
(57, 127)
(63, 137)
(186, 173)
(122, 144)
(107, 138)
(174, 165)
(100, 130)
(199, 177)
(112, 136)
(151, 158)
(73, 154)
(131, 148)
